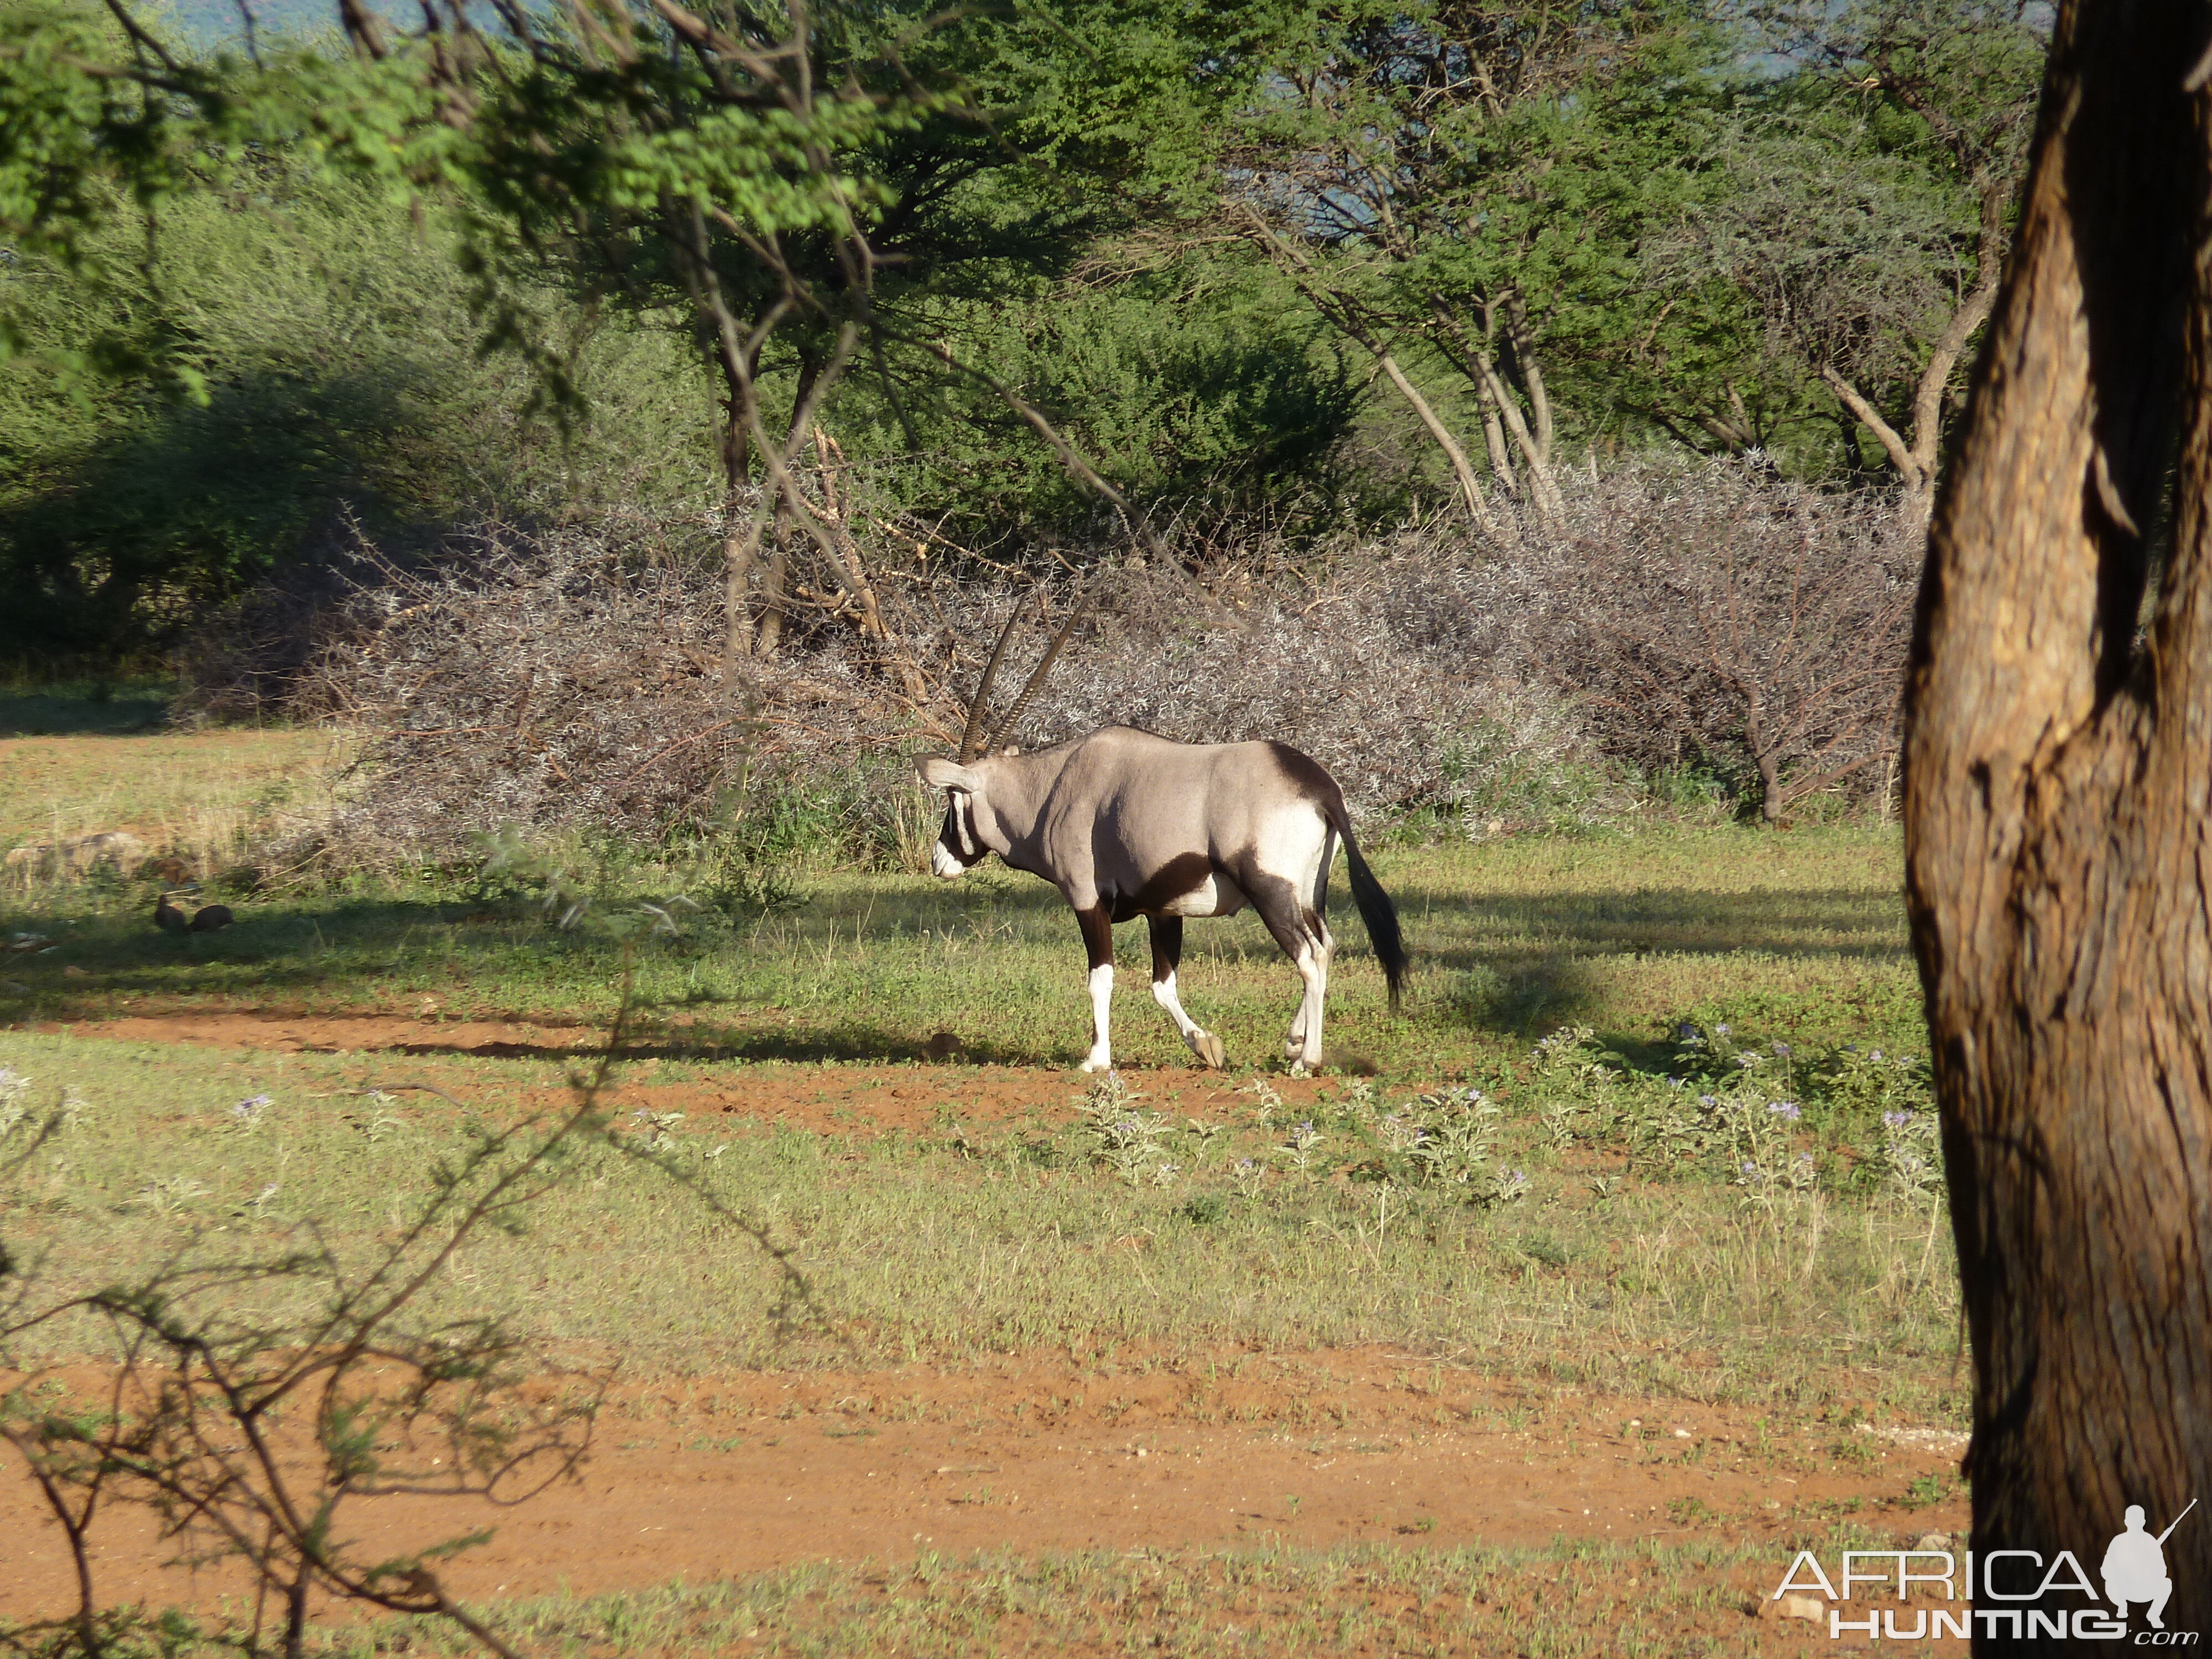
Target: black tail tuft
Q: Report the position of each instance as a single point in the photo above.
(1375, 909)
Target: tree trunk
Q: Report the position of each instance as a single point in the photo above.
(740, 537)
(1543, 489)
(767, 633)
(1470, 490)
(2059, 866)
(1493, 439)
(1915, 458)
(1521, 339)
(1766, 756)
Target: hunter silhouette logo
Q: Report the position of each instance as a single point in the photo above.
(2135, 1566)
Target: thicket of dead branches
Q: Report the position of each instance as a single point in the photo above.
(1745, 625)
(575, 680)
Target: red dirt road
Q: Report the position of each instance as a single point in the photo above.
(708, 1477)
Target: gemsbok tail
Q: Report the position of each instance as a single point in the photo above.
(1374, 907)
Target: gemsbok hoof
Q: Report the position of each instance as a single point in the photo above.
(1209, 1049)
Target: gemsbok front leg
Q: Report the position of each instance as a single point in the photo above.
(1098, 942)
(1167, 956)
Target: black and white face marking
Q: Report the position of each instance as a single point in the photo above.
(958, 848)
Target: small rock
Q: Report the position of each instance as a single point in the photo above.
(1934, 1541)
(1802, 1606)
(75, 972)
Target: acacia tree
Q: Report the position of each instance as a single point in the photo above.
(1864, 215)
(1445, 180)
(2059, 850)
(800, 187)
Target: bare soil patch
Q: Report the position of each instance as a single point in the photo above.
(1048, 1454)
(715, 1477)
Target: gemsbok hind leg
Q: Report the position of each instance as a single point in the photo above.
(1305, 940)
(1167, 956)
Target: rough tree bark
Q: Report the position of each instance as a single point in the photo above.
(2059, 864)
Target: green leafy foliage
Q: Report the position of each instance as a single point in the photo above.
(1761, 1117)
(605, 254)
(334, 350)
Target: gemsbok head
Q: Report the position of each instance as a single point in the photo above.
(1128, 824)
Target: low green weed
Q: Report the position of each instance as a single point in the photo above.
(1670, 1599)
(1382, 1217)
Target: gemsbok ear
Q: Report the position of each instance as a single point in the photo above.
(939, 773)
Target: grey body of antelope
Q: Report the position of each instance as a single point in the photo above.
(1128, 824)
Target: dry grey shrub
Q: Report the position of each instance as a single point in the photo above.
(1732, 620)
(570, 679)
(573, 680)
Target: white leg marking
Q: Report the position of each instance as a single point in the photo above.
(1203, 1043)
(1102, 1002)
(1164, 992)
(1303, 1047)
(1318, 989)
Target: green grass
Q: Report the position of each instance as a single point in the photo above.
(68, 766)
(946, 1246)
(1627, 1258)
(1800, 936)
(1566, 1600)
(1629, 1262)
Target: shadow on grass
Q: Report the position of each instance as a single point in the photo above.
(96, 710)
(1516, 967)
(846, 1045)
(1506, 968)
(1669, 919)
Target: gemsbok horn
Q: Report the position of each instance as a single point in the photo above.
(1128, 824)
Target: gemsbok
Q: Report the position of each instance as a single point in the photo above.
(1128, 824)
